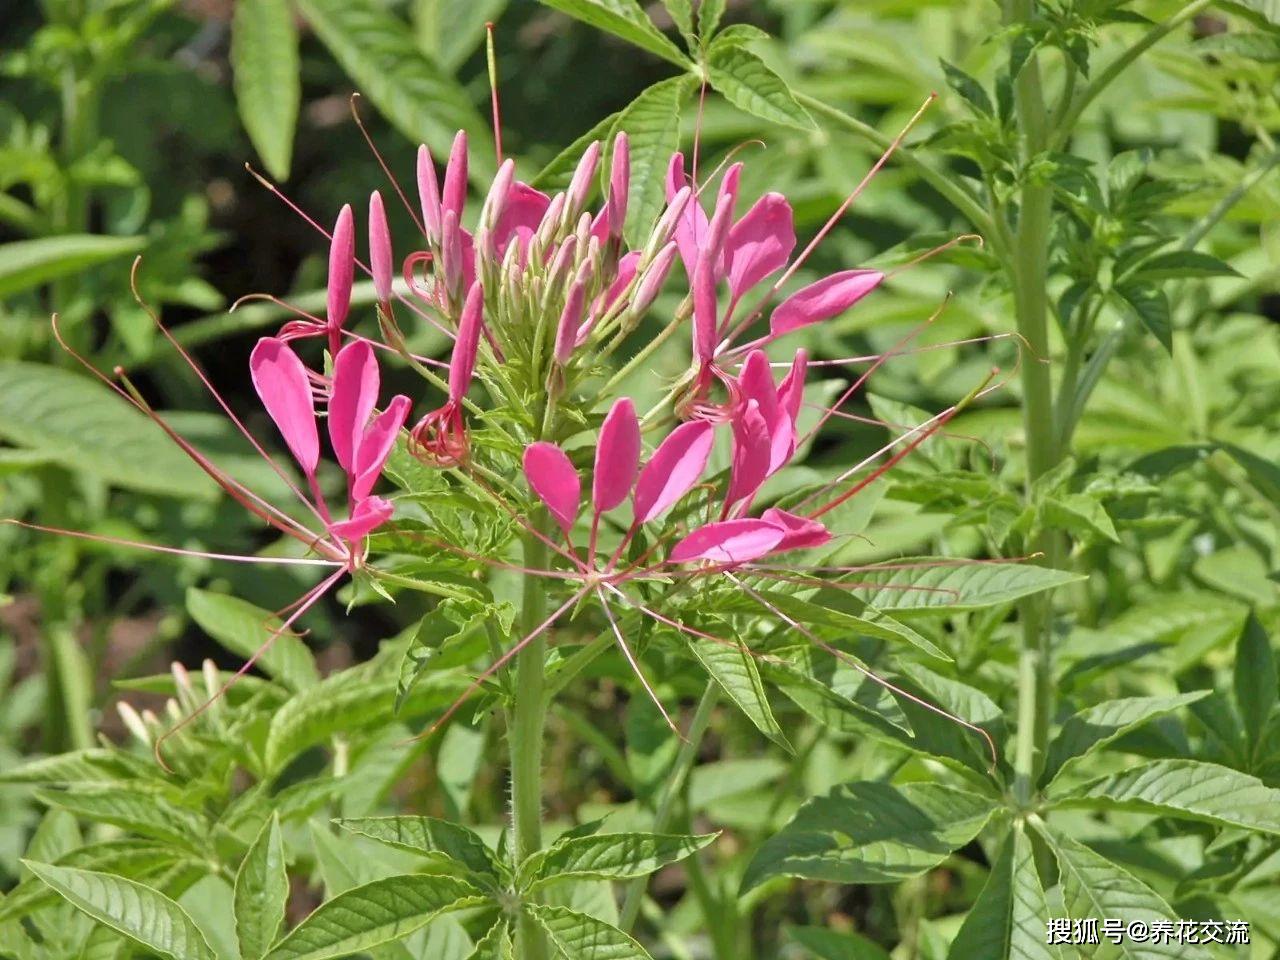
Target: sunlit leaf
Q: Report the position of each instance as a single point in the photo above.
(264, 61)
(261, 892)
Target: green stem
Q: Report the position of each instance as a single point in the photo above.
(958, 197)
(528, 719)
(670, 791)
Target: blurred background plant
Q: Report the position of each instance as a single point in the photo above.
(1118, 160)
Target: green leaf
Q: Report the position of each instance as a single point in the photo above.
(439, 641)
(830, 607)
(242, 628)
(871, 833)
(144, 813)
(734, 669)
(1079, 514)
(136, 910)
(264, 59)
(96, 765)
(1183, 788)
(380, 912)
(969, 88)
(652, 124)
(451, 30)
(830, 945)
(625, 19)
(1181, 265)
(1255, 680)
(580, 937)
(681, 13)
(709, 14)
(128, 858)
(1010, 916)
(494, 945)
(947, 586)
(1151, 307)
(261, 892)
(1093, 886)
(438, 839)
(1094, 727)
(85, 427)
(379, 53)
(610, 856)
(30, 263)
(558, 174)
(749, 84)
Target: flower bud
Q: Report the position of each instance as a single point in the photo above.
(455, 177)
(429, 195)
(211, 682)
(379, 248)
(666, 225)
(580, 185)
(549, 228)
(564, 260)
(653, 279)
(496, 202)
(342, 265)
(718, 228)
(619, 184)
(451, 254)
(570, 320)
(135, 724)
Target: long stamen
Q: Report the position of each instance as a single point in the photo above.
(491, 60)
(635, 664)
(377, 155)
(872, 676)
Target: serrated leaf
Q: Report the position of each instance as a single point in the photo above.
(133, 859)
(610, 856)
(625, 19)
(834, 945)
(1094, 727)
(242, 628)
(444, 626)
(1079, 514)
(1095, 887)
(1010, 916)
(1182, 788)
(681, 13)
(749, 84)
(871, 833)
(29, 263)
(138, 911)
(264, 61)
(947, 585)
(1181, 265)
(834, 608)
(144, 813)
(1255, 681)
(1150, 305)
(652, 124)
(494, 945)
(261, 892)
(379, 53)
(85, 427)
(94, 765)
(380, 912)
(709, 15)
(734, 669)
(429, 837)
(580, 937)
(969, 88)
(451, 30)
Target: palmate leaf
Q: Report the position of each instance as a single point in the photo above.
(943, 586)
(1096, 726)
(871, 833)
(82, 425)
(138, 911)
(581, 937)
(749, 84)
(430, 837)
(376, 913)
(1183, 788)
(264, 61)
(610, 856)
(379, 53)
(625, 19)
(242, 628)
(29, 263)
(1009, 918)
(261, 892)
(1093, 886)
(734, 669)
(133, 859)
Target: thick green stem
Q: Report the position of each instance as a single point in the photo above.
(528, 718)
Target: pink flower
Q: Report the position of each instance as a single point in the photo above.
(440, 438)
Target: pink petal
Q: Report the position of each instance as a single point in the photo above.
(619, 183)
(342, 266)
(462, 363)
(756, 383)
(554, 480)
(429, 194)
(728, 541)
(455, 177)
(673, 469)
(626, 273)
(791, 390)
(692, 225)
(379, 247)
(570, 321)
(759, 244)
(376, 445)
(354, 395)
(799, 533)
(281, 381)
(729, 183)
(617, 456)
(751, 453)
(522, 215)
(705, 309)
(368, 514)
(823, 300)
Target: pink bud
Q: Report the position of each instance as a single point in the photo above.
(496, 202)
(342, 265)
(379, 248)
(429, 194)
(653, 279)
(619, 183)
(462, 364)
(563, 262)
(570, 320)
(580, 186)
(451, 253)
(455, 176)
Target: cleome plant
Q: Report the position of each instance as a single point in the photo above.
(651, 590)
